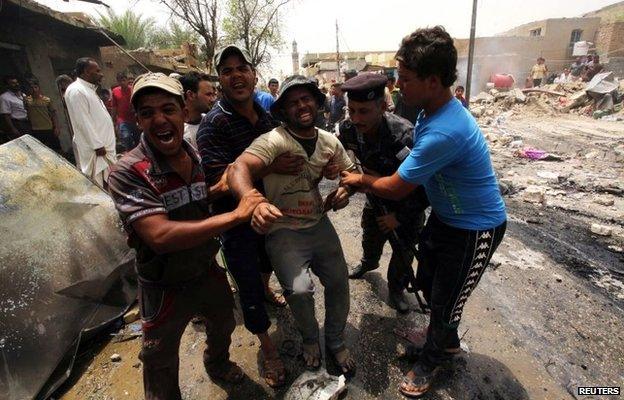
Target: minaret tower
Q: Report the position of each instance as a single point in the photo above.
(295, 58)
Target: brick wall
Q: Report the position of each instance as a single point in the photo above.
(610, 40)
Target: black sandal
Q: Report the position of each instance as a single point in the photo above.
(423, 376)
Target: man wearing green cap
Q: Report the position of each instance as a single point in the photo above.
(161, 196)
(300, 237)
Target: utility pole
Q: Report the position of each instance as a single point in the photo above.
(471, 50)
(337, 55)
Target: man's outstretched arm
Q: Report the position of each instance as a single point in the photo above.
(241, 176)
(387, 187)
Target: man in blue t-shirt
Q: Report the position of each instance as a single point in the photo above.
(450, 158)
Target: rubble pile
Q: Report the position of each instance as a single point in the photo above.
(600, 98)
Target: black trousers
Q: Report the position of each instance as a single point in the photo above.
(451, 263)
(48, 138)
(373, 241)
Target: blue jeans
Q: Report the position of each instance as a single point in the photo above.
(129, 135)
(295, 254)
(243, 251)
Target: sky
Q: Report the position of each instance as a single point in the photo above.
(374, 25)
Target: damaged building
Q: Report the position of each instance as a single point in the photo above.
(36, 41)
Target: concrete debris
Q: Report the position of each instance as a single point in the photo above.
(132, 315)
(592, 154)
(593, 99)
(115, 357)
(604, 201)
(316, 385)
(601, 230)
(534, 194)
(550, 177)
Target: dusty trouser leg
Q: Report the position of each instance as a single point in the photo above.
(330, 266)
(460, 258)
(217, 306)
(400, 266)
(164, 318)
(291, 253)
(373, 240)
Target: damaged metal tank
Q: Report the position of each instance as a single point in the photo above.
(65, 269)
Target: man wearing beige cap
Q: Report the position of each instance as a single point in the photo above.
(160, 193)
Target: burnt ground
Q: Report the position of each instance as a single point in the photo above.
(546, 318)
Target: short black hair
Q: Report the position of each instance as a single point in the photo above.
(82, 64)
(8, 78)
(33, 81)
(273, 80)
(460, 87)
(190, 81)
(391, 78)
(121, 75)
(63, 78)
(428, 52)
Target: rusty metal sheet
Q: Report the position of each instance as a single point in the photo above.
(65, 268)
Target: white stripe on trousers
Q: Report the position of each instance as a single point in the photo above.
(478, 265)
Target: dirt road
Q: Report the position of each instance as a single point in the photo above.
(546, 318)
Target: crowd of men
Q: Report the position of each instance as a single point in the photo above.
(239, 169)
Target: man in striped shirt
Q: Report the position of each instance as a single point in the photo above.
(226, 131)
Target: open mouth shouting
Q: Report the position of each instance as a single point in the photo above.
(165, 137)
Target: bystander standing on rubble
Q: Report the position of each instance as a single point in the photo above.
(459, 95)
(224, 133)
(593, 68)
(381, 141)
(539, 71)
(123, 114)
(199, 97)
(273, 87)
(43, 118)
(13, 109)
(576, 69)
(174, 236)
(300, 237)
(450, 158)
(94, 133)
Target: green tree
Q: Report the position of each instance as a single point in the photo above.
(202, 16)
(254, 25)
(136, 30)
(174, 36)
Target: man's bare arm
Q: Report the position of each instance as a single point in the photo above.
(387, 187)
(164, 235)
(246, 169)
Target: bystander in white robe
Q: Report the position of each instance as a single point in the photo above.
(93, 129)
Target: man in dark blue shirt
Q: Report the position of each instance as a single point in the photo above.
(450, 158)
(224, 133)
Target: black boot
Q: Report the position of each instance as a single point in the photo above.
(398, 301)
(358, 271)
